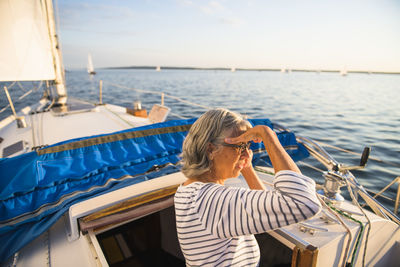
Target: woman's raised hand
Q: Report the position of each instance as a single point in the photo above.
(253, 134)
(279, 157)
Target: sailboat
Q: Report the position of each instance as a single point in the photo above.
(90, 68)
(343, 71)
(92, 184)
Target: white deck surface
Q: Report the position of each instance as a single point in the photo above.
(47, 128)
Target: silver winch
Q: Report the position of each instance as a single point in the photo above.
(336, 178)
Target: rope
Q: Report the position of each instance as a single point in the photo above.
(358, 154)
(311, 166)
(3, 109)
(386, 187)
(347, 249)
(177, 115)
(358, 236)
(365, 215)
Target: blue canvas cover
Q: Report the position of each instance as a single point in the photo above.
(37, 188)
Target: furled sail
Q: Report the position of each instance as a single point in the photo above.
(25, 47)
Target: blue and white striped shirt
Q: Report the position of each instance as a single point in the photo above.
(215, 223)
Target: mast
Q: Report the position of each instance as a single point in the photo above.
(60, 97)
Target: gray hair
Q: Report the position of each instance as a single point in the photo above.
(212, 127)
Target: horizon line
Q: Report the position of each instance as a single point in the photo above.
(286, 70)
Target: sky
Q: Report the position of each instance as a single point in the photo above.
(307, 34)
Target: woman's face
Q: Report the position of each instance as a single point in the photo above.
(227, 161)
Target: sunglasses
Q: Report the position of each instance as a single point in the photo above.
(240, 148)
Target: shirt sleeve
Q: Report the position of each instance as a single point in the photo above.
(229, 212)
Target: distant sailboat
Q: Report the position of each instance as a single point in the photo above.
(158, 68)
(343, 71)
(90, 68)
(233, 69)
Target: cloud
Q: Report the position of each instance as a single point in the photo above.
(185, 2)
(215, 10)
(212, 7)
(82, 14)
(231, 21)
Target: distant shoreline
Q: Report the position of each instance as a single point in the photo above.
(248, 69)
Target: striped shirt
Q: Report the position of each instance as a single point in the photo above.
(215, 223)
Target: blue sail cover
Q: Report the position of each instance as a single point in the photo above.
(37, 188)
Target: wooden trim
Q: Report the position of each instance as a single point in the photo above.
(305, 257)
(126, 216)
(132, 203)
(113, 138)
(137, 112)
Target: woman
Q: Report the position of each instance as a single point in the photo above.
(215, 223)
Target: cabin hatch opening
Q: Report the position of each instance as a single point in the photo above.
(148, 241)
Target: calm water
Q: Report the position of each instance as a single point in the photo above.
(349, 112)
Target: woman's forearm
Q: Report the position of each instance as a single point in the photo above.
(252, 179)
(280, 159)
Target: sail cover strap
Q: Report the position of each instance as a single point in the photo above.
(37, 188)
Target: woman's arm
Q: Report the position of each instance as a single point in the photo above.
(252, 179)
(231, 211)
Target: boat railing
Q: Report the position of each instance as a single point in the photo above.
(26, 93)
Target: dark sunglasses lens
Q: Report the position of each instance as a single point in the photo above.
(244, 146)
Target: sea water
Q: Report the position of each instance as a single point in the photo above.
(349, 112)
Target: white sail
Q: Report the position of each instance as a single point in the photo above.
(25, 46)
(90, 68)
